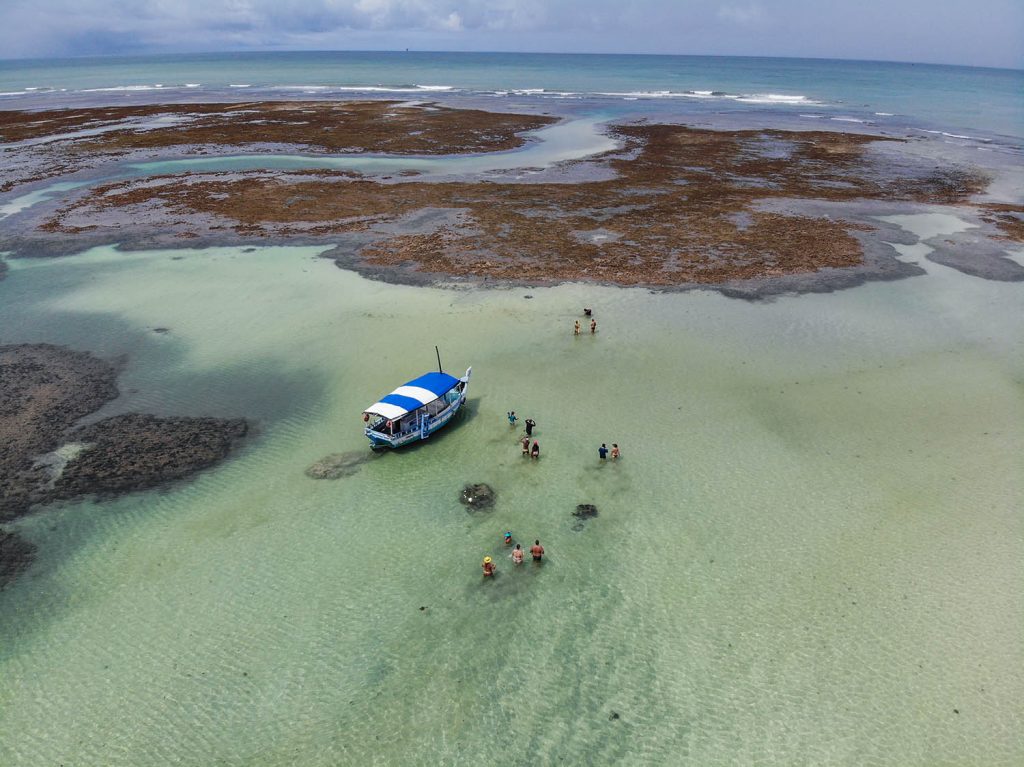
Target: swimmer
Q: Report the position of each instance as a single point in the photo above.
(603, 451)
(593, 326)
(489, 568)
(512, 417)
(615, 450)
(526, 445)
(535, 450)
(537, 551)
(508, 537)
(530, 423)
(517, 555)
(576, 328)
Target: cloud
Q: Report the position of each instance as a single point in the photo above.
(741, 14)
(983, 32)
(453, 22)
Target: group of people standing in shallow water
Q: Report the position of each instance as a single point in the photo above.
(576, 327)
(593, 323)
(536, 552)
(533, 452)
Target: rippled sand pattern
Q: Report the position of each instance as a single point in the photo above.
(811, 551)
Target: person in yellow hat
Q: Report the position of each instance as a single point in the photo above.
(489, 568)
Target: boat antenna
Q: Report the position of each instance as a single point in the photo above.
(439, 369)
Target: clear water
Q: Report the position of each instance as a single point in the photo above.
(984, 102)
(571, 140)
(26, 201)
(810, 552)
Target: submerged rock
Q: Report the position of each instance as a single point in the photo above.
(136, 451)
(584, 511)
(45, 390)
(338, 465)
(15, 555)
(477, 497)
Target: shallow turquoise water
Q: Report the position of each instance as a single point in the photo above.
(571, 140)
(810, 552)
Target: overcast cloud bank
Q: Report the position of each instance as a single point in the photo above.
(981, 33)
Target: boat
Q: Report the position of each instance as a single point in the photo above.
(416, 409)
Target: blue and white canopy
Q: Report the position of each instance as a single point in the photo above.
(413, 395)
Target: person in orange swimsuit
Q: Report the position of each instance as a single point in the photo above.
(489, 568)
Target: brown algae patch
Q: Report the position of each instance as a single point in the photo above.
(680, 210)
(1008, 219)
(674, 206)
(330, 126)
(62, 141)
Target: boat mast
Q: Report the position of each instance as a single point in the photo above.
(439, 370)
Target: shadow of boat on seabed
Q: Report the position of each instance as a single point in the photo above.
(341, 465)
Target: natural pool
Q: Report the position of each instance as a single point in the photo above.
(570, 140)
(810, 552)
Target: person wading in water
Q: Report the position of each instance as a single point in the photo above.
(537, 551)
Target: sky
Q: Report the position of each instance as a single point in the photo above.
(976, 33)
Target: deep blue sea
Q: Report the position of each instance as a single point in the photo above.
(970, 101)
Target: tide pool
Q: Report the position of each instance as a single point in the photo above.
(810, 551)
(570, 140)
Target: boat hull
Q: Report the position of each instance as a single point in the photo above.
(381, 440)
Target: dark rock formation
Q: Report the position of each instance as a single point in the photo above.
(15, 555)
(137, 451)
(584, 511)
(477, 497)
(46, 389)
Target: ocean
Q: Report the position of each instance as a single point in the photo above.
(810, 552)
(924, 96)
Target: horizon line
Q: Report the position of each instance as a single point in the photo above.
(257, 50)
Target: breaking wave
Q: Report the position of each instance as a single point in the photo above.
(745, 98)
(955, 135)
